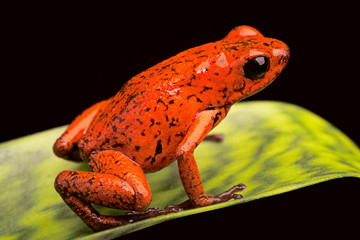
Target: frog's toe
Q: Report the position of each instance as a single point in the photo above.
(229, 194)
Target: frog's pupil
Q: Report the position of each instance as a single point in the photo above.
(256, 67)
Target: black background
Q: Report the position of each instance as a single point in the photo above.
(58, 60)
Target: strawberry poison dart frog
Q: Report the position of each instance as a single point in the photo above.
(159, 116)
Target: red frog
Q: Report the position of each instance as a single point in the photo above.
(159, 116)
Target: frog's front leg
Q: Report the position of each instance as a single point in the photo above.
(117, 182)
(189, 173)
(66, 145)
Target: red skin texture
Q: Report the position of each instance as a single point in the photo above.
(159, 116)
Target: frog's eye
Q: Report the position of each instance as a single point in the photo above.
(256, 67)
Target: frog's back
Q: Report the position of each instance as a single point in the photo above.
(149, 116)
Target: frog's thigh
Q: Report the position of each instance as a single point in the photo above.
(127, 189)
(120, 165)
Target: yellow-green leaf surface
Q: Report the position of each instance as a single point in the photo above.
(271, 147)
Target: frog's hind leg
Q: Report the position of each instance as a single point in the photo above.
(117, 182)
(66, 145)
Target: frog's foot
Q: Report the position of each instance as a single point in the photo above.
(132, 216)
(222, 197)
(214, 137)
(229, 194)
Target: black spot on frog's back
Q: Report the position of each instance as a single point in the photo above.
(158, 150)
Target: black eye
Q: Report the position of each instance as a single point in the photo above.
(256, 68)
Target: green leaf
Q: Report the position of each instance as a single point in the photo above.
(271, 147)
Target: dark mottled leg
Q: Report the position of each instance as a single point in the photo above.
(154, 212)
(116, 183)
(80, 189)
(222, 197)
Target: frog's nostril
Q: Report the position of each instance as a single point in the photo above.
(285, 58)
(282, 54)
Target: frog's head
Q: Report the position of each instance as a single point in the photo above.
(255, 61)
